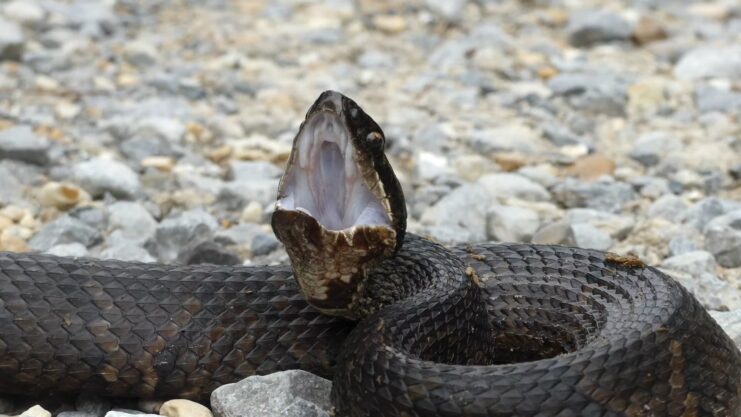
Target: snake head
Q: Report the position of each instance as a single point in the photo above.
(340, 207)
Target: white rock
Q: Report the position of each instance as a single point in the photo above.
(511, 224)
(100, 175)
(710, 62)
(507, 185)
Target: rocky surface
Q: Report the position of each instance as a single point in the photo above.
(138, 131)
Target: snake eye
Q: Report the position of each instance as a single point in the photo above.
(374, 138)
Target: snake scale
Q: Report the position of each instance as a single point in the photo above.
(403, 325)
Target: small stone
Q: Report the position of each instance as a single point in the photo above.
(14, 213)
(282, 394)
(244, 171)
(730, 321)
(710, 62)
(616, 226)
(22, 144)
(162, 163)
(652, 147)
(127, 251)
(593, 93)
(178, 233)
(710, 10)
(711, 291)
(692, 263)
(92, 404)
(12, 41)
(591, 27)
(140, 53)
(184, 408)
(723, 239)
(263, 244)
(591, 167)
(669, 207)
(645, 97)
(98, 176)
(459, 216)
(65, 229)
(703, 212)
(557, 233)
(508, 185)
(430, 166)
(209, 252)
(680, 245)
(603, 195)
(130, 221)
(92, 216)
(125, 414)
(62, 196)
(75, 250)
(12, 243)
(390, 23)
(26, 12)
(648, 30)
(589, 237)
(511, 224)
(36, 411)
(709, 99)
(75, 414)
(450, 10)
(252, 213)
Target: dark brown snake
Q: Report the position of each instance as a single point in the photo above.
(474, 330)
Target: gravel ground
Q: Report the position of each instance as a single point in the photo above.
(157, 131)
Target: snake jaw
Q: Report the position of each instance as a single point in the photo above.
(340, 208)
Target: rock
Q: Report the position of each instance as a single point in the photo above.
(591, 27)
(242, 234)
(603, 93)
(139, 148)
(184, 408)
(430, 166)
(589, 237)
(557, 233)
(127, 251)
(711, 291)
(512, 137)
(693, 263)
(98, 176)
(703, 212)
(140, 53)
(614, 225)
(65, 229)
(36, 411)
(11, 186)
(93, 216)
(252, 213)
(710, 62)
(209, 252)
(92, 404)
(12, 41)
(22, 144)
(124, 414)
(26, 12)
(178, 233)
(283, 394)
(680, 245)
(448, 9)
(263, 244)
(591, 167)
(76, 250)
(730, 321)
(648, 30)
(508, 185)
(245, 171)
(511, 224)
(130, 221)
(460, 216)
(603, 195)
(723, 239)
(62, 196)
(650, 148)
(561, 135)
(669, 207)
(709, 99)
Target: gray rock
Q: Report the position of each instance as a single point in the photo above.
(22, 144)
(127, 251)
(12, 188)
(589, 237)
(506, 185)
(209, 252)
(562, 135)
(26, 12)
(282, 394)
(235, 194)
(556, 233)
(730, 321)
(117, 413)
(591, 27)
(94, 217)
(140, 147)
(245, 171)
(98, 176)
(703, 212)
(433, 136)
(459, 216)
(12, 41)
(680, 245)
(693, 263)
(603, 195)
(602, 93)
(241, 234)
(263, 244)
(140, 53)
(132, 222)
(178, 233)
(75, 414)
(710, 62)
(711, 291)
(723, 239)
(75, 249)
(710, 99)
(614, 225)
(669, 207)
(92, 404)
(448, 9)
(511, 224)
(65, 229)
(652, 147)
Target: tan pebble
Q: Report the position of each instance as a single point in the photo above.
(62, 196)
(67, 110)
(184, 408)
(127, 80)
(717, 11)
(23, 233)
(12, 243)
(14, 213)
(162, 163)
(28, 221)
(390, 23)
(510, 161)
(645, 96)
(648, 30)
(220, 154)
(5, 222)
(36, 411)
(252, 213)
(591, 167)
(45, 83)
(546, 73)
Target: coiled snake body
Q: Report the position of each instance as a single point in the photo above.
(474, 330)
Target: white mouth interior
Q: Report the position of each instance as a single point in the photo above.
(324, 181)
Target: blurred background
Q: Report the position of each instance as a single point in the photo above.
(157, 130)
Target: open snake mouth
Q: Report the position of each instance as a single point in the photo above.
(325, 181)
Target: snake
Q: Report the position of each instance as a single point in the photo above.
(403, 325)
